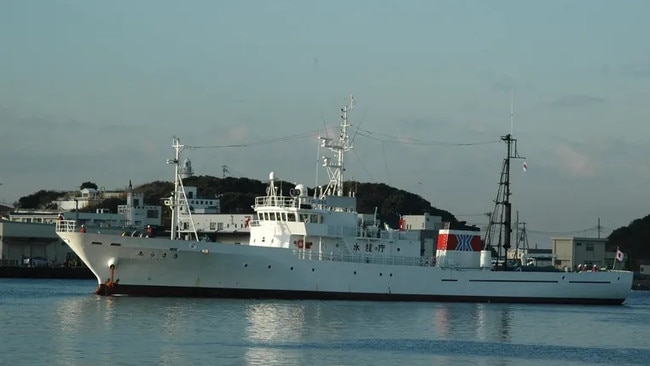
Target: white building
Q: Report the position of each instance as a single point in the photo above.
(133, 214)
(85, 197)
(200, 205)
(574, 251)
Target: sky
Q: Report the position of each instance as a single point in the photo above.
(95, 91)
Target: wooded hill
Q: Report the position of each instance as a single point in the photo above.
(634, 241)
(237, 195)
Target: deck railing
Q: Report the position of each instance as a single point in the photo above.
(66, 226)
(360, 258)
(276, 201)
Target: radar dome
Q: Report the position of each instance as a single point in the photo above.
(302, 190)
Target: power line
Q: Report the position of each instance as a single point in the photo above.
(413, 141)
(260, 142)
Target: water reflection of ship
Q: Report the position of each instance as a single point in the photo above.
(484, 322)
(271, 321)
(79, 315)
(268, 322)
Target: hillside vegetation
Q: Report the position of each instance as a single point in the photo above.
(237, 195)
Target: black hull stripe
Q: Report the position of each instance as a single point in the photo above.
(516, 281)
(168, 291)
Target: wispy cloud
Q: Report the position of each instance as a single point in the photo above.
(575, 163)
(637, 71)
(576, 101)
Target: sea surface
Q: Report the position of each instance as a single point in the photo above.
(60, 322)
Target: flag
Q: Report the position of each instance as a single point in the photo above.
(619, 255)
(525, 167)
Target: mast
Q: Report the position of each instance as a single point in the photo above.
(174, 200)
(335, 169)
(501, 216)
(507, 214)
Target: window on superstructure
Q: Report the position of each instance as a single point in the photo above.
(291, 216)
(314, 219)
(213, 225)
(284, 216)
(304, 217)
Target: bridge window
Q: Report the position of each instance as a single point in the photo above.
(291, 216)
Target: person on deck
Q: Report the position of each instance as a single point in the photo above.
(149, 231)
(83, 229)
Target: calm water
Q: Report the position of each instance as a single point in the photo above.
(60, 322)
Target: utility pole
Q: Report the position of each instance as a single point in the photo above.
(599, 228)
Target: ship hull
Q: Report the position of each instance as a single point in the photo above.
(163, 267)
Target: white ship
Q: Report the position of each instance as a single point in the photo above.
(318, 247)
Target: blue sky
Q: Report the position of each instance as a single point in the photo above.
(95, 91)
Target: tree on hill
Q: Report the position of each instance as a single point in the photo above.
(237, 195)
(633, 240)
(89, 185)
(392, 202)
(109, 203)
(39, 200)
